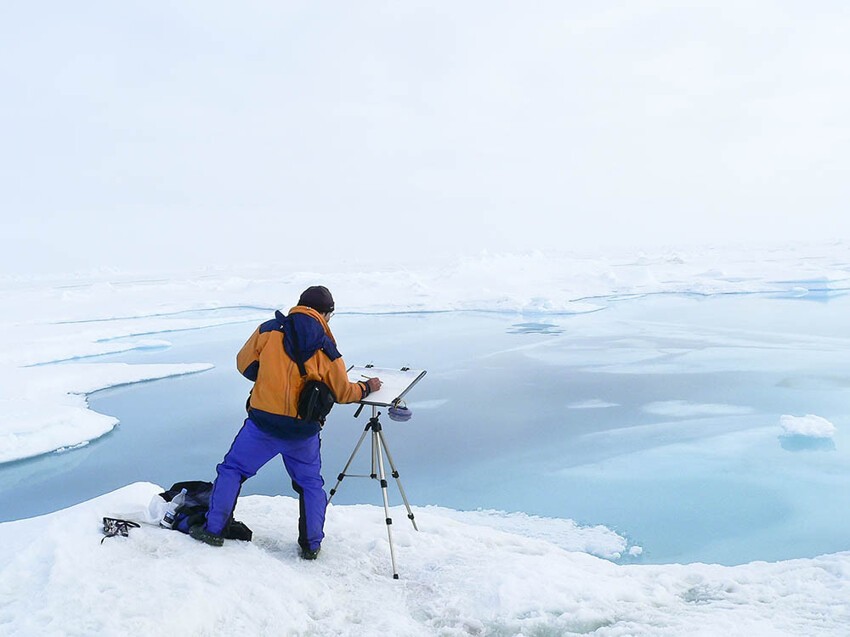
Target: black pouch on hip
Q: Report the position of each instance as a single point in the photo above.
(315, 401)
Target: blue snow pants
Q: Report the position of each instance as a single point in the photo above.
(251, 449)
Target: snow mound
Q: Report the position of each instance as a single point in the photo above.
(457, 578)
(808, 426)
(595, 540)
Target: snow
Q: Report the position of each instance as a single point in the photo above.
(459, 575)
(808, 426)
(464, 573)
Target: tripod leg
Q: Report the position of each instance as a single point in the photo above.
(350, 459)
(398, 480)
(374, 474)
(386, 507)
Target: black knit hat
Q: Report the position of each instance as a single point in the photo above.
(318, 297)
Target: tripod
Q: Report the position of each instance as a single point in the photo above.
(379, 448)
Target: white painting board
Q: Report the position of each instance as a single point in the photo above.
(396, 383)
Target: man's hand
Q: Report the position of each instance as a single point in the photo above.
(374, 383)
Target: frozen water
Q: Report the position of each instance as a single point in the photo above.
(682, 409)
(592, 403)
(657, 417)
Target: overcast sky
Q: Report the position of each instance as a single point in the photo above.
(140, 134)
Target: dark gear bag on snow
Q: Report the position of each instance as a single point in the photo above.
(316, 399)
(194, 509)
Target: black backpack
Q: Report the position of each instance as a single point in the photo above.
(194, 509)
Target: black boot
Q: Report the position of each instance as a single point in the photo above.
(309, 554)
(200, 533)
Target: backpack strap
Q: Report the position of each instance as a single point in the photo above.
(297, 349)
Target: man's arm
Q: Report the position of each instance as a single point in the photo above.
(248, 358)
(344, 390)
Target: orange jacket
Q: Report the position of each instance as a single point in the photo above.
(267, 359)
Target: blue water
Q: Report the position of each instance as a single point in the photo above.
(568, 416)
